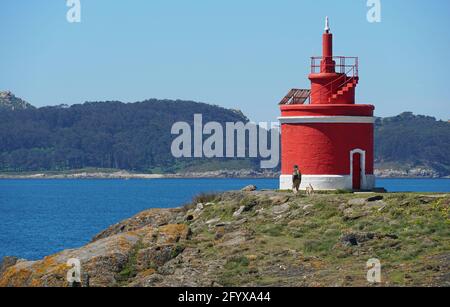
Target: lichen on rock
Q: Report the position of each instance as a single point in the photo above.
(264, 238)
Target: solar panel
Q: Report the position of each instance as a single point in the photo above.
(296, 96)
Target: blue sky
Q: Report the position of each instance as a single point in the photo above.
(234, 53)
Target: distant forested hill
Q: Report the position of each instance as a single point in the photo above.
(411, 144)
(135, 137)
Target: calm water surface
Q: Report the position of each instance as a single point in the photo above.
(41, 217)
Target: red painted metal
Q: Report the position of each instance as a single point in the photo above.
(334, 87)
(329, 86)
(356, 171)
(343, 65)
(327, 110)
(324, 147)
(327, 65)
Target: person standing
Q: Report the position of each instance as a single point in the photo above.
(296, 179)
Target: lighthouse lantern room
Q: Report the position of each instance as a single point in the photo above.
(323, 130)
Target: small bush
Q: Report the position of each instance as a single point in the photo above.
(129, 270)
(311, 245)
(319, 245)
(177, 251)
(237, 263)
(273, 230)
(204, 198)
(235, 269)
(344, 192)
(249, 203)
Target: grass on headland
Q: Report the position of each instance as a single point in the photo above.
(409, 231)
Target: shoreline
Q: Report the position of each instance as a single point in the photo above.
(244, 174)
(195, 175)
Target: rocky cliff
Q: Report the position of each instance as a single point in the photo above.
(264, 238)
(10, 102)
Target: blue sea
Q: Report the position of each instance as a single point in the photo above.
(42, 217)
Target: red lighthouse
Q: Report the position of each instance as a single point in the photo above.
(331, 139)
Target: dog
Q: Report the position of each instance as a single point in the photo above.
(309, 190)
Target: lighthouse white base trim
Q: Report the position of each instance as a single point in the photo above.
(328, 182)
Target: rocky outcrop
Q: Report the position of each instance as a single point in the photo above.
(249, 188)
(101, 261)
(108, 261)
(7, 262)
(265, 238)
(154, 218)
(10, 102)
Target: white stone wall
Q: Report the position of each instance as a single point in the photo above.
(327, 182)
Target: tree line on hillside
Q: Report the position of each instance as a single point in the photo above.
(114, 135)
(136, 137)
(414, 140)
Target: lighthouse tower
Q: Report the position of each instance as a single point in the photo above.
(331, 138)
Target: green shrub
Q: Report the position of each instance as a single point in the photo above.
(237, 263)
(205, 198)
(273, 230)
(344, 192)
